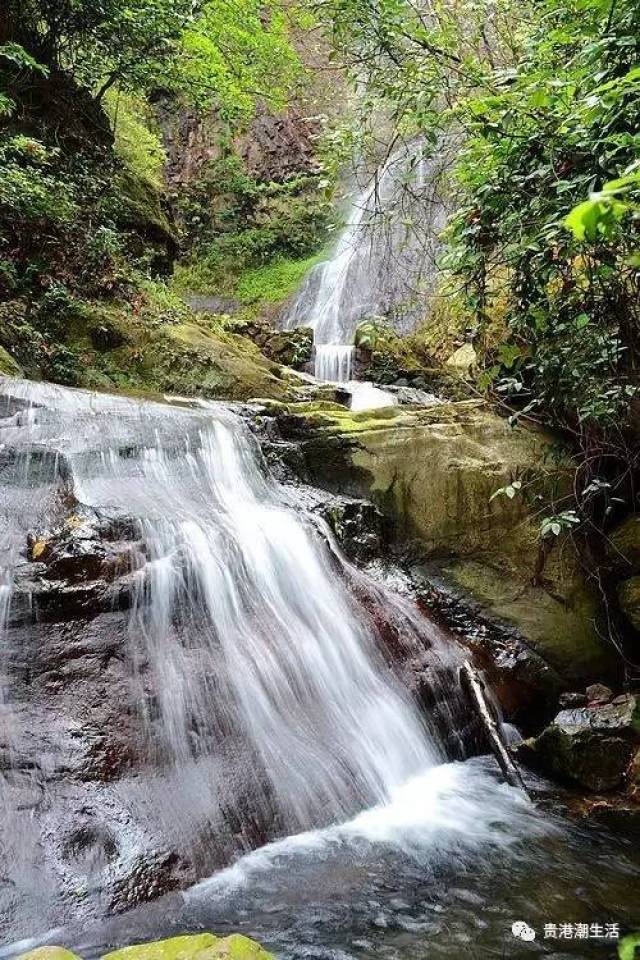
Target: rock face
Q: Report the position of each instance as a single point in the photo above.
(623, 558)
(593, 746)
(432, 473)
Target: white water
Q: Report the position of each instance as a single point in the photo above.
(364, 396)
(334, 362)
(451, 809)
(240, 614)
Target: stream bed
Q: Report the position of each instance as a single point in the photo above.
(444, 870)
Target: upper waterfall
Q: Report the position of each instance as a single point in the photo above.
(384, 261)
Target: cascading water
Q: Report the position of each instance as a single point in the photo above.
(334, 362)
(192, 671)
(383, 264)
(266, 705)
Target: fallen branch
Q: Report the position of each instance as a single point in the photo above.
(472, 682)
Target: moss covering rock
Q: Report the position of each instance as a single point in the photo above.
(624, 548)
(201, 946)
(8, 366)
(629, 596)
(49, 953)
(433, 472)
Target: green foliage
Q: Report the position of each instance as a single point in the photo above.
(214, 51)
(251, 240)
(274, 282)
(29, 187)
(375, 334)
(558, 524)
(136, 142)
(629, 946)
(239, 50)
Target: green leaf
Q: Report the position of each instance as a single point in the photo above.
(629, 946)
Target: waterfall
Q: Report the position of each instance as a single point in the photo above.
(265, 702)
(383, 264)
(334, 362)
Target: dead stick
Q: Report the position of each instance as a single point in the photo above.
(472, 682)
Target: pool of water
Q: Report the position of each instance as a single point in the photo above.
(443, 870)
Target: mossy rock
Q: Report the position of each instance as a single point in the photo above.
(49, 953)
(629, 596)
(624, 548)
(8, 366)
(433, 472)
(202, 946)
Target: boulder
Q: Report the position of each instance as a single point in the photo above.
(598, 693)
(464, 360)
(624, 548)
(629, 596)
(592, 746)
(202, 946)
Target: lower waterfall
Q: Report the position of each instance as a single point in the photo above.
(240, 644)
(198, 691)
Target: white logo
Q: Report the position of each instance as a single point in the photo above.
(522, 930)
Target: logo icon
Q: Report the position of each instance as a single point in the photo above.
(522, 930)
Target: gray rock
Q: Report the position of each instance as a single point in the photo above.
(599, 693)
(568, 700)
(593, 746)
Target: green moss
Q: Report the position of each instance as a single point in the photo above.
(203, 946)
(629, 595)
(274, 282)
(49, 953)
(8, 366)
(557, 619)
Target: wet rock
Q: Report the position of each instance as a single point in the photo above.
(75, 567)
(569, 700)
(201, 946)
(357, 525)
(524, 684)
(414, 396)
(592, 746)
(433, 472)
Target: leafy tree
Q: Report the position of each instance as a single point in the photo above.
(223, 51)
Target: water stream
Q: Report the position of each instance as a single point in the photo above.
(226, 689)
(255, 686)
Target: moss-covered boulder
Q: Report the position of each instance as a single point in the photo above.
(433, 473)
(49, 953)
(8, 366)
(167, 349)
(629, 596)
(201, 946)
